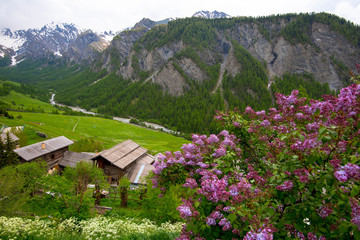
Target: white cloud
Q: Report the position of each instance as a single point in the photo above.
(348, 11)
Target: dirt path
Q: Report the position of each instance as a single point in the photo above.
(76, 124)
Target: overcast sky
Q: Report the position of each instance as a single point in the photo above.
(103, 15)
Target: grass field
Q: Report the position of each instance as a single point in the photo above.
(109, 132)
(26, 102)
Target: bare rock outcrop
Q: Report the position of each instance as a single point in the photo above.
(171, 80)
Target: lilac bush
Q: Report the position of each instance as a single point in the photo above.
(292, 172)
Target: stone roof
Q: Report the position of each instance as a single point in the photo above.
(36, 150)
(70, 158)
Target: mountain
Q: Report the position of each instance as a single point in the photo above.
(304, 44)
(52, 40)
(179, 72)
(211, 15)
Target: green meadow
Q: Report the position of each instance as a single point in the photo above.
(25, 102)
(109, 132)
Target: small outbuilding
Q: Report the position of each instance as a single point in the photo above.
(70, 159)
(125, 159)
(14, 139)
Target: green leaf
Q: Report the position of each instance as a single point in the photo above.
(343, 227)
(322, 129)
(355, 191)
(357, 234)
(302, 138)
(231, 217)
(326, 139)
(283, 137)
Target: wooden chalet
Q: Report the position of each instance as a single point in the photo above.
(125, 159)
(52, 151)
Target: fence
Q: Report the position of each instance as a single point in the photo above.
(132, 194)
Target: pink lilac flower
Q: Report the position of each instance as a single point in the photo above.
(311, 236)
(261, 234)
(304, 178)
(210, 221)
(355, 212)
(324, 211)
(286, 186)
(224, 133)
(312, 127)
(352, 170)
(218, 117)
(335, 163)
(341, 175)
(185, 210)
(226, 224)
(342, 146)
(190, 183)
(213, 139)
(249, 110)
(265, 123)
(214, 189)
(260, 113)
(299, 116)
(277, 117)
(217, 171)
(219, 152)
(227, 142)
(216, 215)
(236, 124)
(226, 209)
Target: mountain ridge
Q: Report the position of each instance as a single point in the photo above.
(180, 72)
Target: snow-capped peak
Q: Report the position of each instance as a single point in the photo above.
(211, 15)
(12, 39)
(107, 35)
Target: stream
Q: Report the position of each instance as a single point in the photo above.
(123, 120)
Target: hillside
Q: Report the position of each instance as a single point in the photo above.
(179, 73)
(38, 116)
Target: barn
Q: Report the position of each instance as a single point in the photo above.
(125, 159)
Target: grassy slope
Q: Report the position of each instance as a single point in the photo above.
(110, 132)
(24, 101)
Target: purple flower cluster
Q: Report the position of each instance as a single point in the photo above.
(225, 223)
(185, 210)
(260, 234)
(324, 211)
(286, 186)
(302, 141)
(214, 189)
(347, 172)
(190, 183)
(355, 212)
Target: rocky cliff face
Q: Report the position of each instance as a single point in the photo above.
(87, 46)
(320, 57)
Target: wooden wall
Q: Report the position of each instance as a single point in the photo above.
(52, 159)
